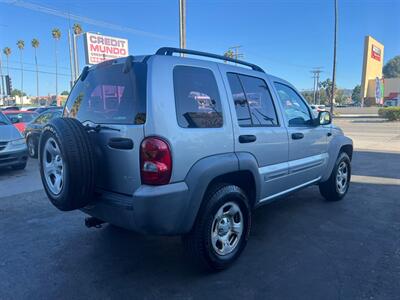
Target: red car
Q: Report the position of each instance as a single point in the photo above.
(20, 118)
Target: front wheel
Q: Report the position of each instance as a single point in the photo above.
(336, 187)
(222, 228)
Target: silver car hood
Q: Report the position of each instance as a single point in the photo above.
(9, 133)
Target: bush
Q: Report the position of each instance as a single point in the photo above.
(390, 113)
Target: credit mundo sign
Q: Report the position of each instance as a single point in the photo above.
(99, 48)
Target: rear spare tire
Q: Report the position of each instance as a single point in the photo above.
(66, 162)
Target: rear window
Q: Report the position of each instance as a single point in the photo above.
(198, 104)
(110, 96)
(23, 117)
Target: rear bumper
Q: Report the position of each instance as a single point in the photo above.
(12, 158)
(157, 210)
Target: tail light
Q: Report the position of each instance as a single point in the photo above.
(155, 161)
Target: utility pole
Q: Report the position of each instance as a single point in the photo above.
(334, 56)
(76, 62)
(182, 24)
(2, 91)
(316, 71)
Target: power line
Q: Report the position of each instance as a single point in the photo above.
(39, 65)
(42, 72)
(82, 19)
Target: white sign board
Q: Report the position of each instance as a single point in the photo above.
(99, 48)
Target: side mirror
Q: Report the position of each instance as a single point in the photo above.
(324, 118)
(14, 120)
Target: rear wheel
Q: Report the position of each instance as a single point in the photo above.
(32, 147)
(222, 228)
(66, 162)
(336, 187)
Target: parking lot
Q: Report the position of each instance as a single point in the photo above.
(301, 247)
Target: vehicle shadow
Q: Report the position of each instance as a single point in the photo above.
(294, 243)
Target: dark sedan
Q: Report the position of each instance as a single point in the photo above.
(34, 129)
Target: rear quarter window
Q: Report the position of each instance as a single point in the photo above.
(197, 99)
(110, 96)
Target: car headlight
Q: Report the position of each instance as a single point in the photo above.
(18, 142)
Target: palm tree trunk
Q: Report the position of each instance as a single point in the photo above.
(22, 75)
(56, 70)
(37, 78)
(8, 72)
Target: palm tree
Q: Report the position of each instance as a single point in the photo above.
(35, 45)
(77, 29)
(7, 53)
(56, 33)
(21, 46)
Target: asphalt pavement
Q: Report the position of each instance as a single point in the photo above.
(301, 247)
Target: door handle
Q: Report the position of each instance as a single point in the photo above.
(120, 143)
(247, 138)
(297, 136)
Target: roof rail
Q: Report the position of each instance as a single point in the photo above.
(170, 51)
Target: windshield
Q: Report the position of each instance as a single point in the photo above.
(108, 95)
(23, 117)
(3, 120)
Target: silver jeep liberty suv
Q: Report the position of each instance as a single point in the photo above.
(171, 145)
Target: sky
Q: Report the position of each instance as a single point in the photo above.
(287, 38)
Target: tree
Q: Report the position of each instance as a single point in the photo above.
(56, 33)
(7, 53)
(327, 87)
(21, 46)
(77, 28)
(64, 93)
(340, 97)
(392, 68)
(356, 94)
(229, 53)
(16, 92)
(35, 45)
(308, 95)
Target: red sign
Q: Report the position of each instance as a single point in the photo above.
(376, 53)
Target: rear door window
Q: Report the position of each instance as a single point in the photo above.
(197, 99)
(253, 101)
(108, 95)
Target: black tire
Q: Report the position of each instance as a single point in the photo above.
(198, 242)
(329, 189)
(32, 144)
(19, 166)
(78, 165)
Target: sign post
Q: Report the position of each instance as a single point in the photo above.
(99, 48)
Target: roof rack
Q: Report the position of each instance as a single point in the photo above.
(170, 51)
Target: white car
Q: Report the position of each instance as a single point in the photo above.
(317, 108)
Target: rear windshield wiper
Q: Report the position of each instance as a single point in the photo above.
(99, 127)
